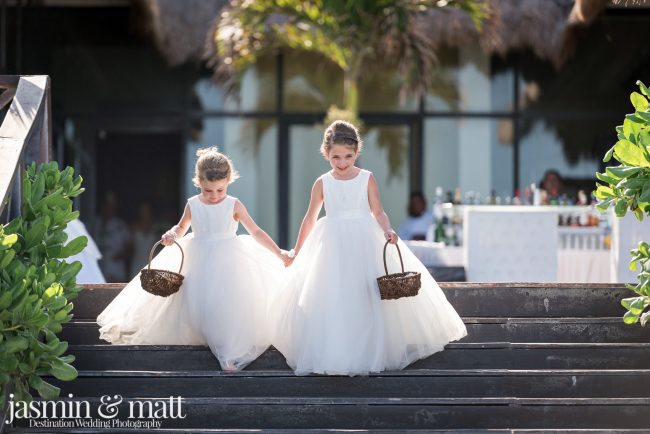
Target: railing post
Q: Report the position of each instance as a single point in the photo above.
(16, 196)
(25, 135)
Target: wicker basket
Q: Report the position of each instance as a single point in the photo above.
(161, 282)
(398, 285)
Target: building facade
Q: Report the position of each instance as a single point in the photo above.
(489, 126)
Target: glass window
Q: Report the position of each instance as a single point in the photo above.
(469, 80)
(305, 165)
(475, 155)
(257, 92)
(385, 154)
(542, 148)
(252, 146)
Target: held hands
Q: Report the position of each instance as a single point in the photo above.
(287, 257)
(391, 236)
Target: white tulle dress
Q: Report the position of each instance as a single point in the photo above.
(329, 317)
(223, 301)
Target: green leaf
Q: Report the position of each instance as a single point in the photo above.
(13, 344)
(639, 102)
(644, 89)
(54, 290)
(603, 192)
(643, 115)
(9, 240)
(609, 153)
(44, 389)
(37, 190)
(63, 371)
(627, 302)
(34, 235)
(637, 306)
(7, 257)
(75, 246)
(630, 154)
(8, 362)
(622, 171)
(645, 194)
(59, 348)
(5, 300)
(54, 326)
(635, 183)
(604, 205)
(630, 318)
(606, 178)
(70, 271)
(67, 359)
(60, 315)
(620, 208)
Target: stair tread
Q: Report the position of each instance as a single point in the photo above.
(465, 401)
(333, 430)
(453, 345)
(408, 373)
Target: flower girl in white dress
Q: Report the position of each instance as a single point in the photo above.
(329, 316)
(224, 296)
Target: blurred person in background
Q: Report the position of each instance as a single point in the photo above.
(419, 218)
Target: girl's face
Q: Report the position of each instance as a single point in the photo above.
(342, 159)
(214, 191)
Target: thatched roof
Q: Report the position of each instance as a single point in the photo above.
(182, 30)
(547, 27)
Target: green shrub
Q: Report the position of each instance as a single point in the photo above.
(36, 284)
(627, 188)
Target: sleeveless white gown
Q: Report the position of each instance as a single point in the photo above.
(223, 301)
(329, 318)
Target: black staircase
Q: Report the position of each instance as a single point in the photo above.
(537, 358)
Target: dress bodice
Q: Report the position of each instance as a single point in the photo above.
(213, 221)
(346, 198)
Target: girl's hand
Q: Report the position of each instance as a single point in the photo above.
(286, 257)
(391, 236)
(168, 238)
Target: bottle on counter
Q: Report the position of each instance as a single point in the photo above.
(527, 199)
(491, 199)
(458, 199)
(537, 196)
(437, 214)
(439, 235)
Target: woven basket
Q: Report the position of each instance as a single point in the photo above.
(161, 282)
(398, 285)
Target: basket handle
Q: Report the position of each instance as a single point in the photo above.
(398, 252)
(154, 248)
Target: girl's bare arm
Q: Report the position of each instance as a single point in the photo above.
(378, 212)
(308, 222)
(179, 229)
(241, 214)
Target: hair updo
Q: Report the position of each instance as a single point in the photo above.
(341, 133)
(212, 165)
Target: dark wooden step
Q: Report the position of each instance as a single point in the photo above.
(406, 413)
(521, 330)
(409, 384)
(502, 300)
(456, 356)
(320, 431)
